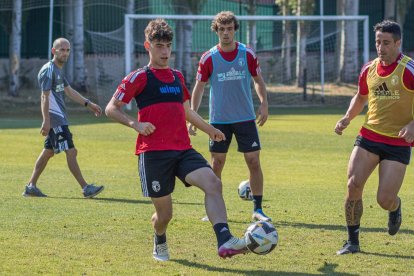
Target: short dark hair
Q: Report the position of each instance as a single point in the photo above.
(158, 29)
(224, 17)
(388, 26)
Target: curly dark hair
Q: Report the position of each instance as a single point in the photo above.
(224, 17)
(158, 29)
(388, 26)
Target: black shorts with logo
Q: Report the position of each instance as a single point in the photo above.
(59, 139)
(158, 169)
(246, 135)
(400, 154)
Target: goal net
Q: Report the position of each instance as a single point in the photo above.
(305, 60)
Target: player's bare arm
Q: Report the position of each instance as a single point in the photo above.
(355, 107)
(196, 97)
(114, 111)
(196, 120)
(44, 130)
(77, 97)
(263, 111)
(407, 132)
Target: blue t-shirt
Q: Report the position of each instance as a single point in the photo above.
(50, 78)
(230, 93)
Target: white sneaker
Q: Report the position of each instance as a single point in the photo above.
(259, 215)
(232, 247)
(160, 252)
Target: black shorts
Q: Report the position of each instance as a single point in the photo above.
(59, 139)
(158, 169)
(246, 135)
(400, 154)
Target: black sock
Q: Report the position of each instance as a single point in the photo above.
(353, 234)
(160, 239)
(257, 202)
(222, 231)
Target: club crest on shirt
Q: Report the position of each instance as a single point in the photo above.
(241, 62)
(394, 80)
(156, 186)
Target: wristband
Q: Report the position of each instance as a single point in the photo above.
(87, 102)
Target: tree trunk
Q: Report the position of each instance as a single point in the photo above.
(350, 66)
(78, 40)
(251, 29)
(68, 14)
(340, 38)
(130, 9)
(302, 33)
(286, 44)
(389, 9)
(14, 48)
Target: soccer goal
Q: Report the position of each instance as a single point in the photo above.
(295, 52)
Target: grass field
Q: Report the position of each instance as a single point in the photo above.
(304, 164)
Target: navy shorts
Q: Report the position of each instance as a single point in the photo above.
(400, 154)
(59, 139)
(158, 169)
(246, 135)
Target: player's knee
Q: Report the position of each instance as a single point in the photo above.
(217, 163)
(162, 218)
(73, 152)
(253, 163)
(48, 154)
(215, 186)
(385, 201)
(354, 186)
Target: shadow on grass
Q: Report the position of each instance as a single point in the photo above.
(328, 269)
(388, 255)
(119, 200)
(336, 227)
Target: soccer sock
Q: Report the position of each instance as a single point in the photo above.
(353, 234)
(222, 233)
(257, 202)
(160, 239)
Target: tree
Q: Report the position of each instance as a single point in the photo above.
(251, 29)
(184, 35)
(398, 11)
(286, 9)
(79, 81)
(349, 44)
(68, 18)
(304, 7)
(14, 48)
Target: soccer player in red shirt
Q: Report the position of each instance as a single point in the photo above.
(163, 145)
(387, 85)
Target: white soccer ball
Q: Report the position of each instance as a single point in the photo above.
(261, 237)
(244, 190)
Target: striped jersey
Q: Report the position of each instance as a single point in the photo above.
(51, 79)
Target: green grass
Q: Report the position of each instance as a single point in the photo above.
(304, 165)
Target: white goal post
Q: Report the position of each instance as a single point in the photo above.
(129, 43)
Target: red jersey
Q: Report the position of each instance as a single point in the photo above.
(384, 71)
(205, 66)
(160, 96)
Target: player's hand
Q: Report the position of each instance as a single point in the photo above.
(341, 125)
(96, 109)
(407, 133)
(192, 130)
(216, 135)
(44, 130)
(262, 114)
(144, 128)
